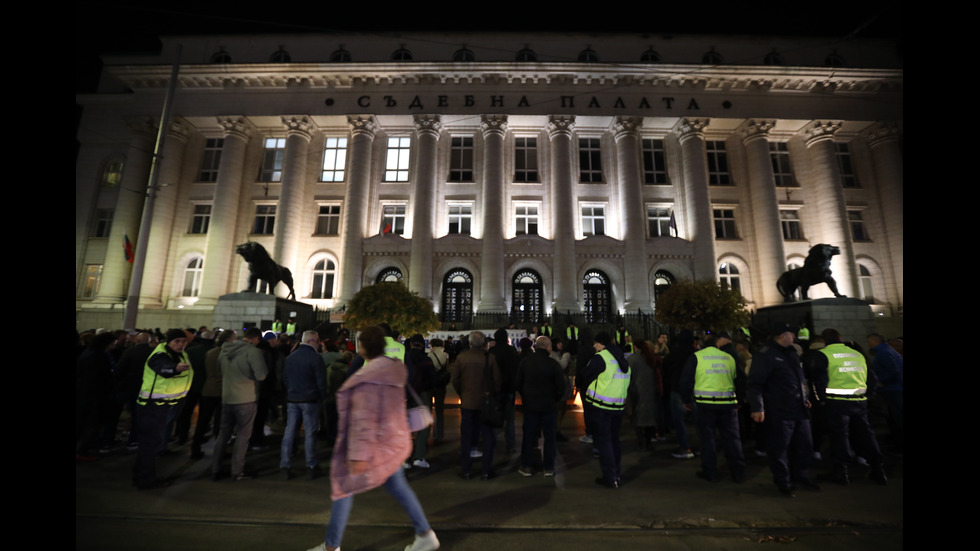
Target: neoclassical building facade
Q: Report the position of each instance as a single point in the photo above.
(491, 173)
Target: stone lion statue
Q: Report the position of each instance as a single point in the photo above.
(261, 266)
(816, 269)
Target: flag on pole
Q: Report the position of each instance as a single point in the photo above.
(672, 224)
(386, 229)
(128, 248)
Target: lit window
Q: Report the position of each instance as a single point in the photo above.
(272, 158)
(460, 218)
(662, 280)
(324, 274)
(112, 173)
(725, 224)
(526, 219)
(265, 219)
(790, 221)
(593, 220)
(596, 297)
(729, 276)
(103, 222)
(396, 160)
(525, 160)
(334, 160)
(658, 221)
(847, 176)
(328, 220)
(393, 219)
(200, 219)
(389, 274)
(457, 296)
(654, 162)
(858, 231)
(192, 278)
(211, 160)
(782, 171)
(526, 299)
(590, 160)
(866, 283)
(461, 160)
(717, 164)
(90, 283)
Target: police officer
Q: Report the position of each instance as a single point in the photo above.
(609, 378)
(842, 381)
(709, 380)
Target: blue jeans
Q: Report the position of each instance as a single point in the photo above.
(310, 413)
(398, 487)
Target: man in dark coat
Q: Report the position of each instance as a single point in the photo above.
(541, 383)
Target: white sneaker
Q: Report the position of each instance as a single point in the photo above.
(476, 453)
(428, 542)
(421, 463)
(585, 439)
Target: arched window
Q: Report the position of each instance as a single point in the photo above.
(790, 267)
(650, 56)
(773, 58)
(340, 56)
(588, 55)
(866, 283)
(527, 54)
(464, 55)
(662, 280)
(527, 302)
(597, 297)
(192, 278)
(112, 172)
(389, 274)
(833, 59)
(457, 295)
(711, 57)
(324, 275)
(280, 56)
(730, 276)
(221, 56)
(401, 54)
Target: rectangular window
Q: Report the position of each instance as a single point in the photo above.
(782, 171)
(658, 221)
(593, 220)
(717, 164)
(525, 160)
(725, 224)
(589, 160)
(328, 220)
(265, 219)
(460, 218)
(654, 162)
(272, 159)
(847, 176)
(396, 159)
(393, 219)
(792, 228)
(461, 160)
(334, 160)
(526, 219)
(90, 283)
(102, 224)
(858, 231)
(211, 160)
(201, 219)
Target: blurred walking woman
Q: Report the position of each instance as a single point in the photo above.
(373, 441)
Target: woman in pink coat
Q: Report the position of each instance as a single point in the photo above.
(373, 441)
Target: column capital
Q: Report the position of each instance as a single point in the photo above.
(754, 129)
(429, 125)
(362, 124)
(237, 126)
(178, 129)
(493, 125)
(299, 125)
(691, 128)
(818, 131)
(626, 126)
(881, 132)
(141, 125)
(560, 125)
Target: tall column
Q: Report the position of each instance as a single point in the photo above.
(699, 217)
(220, 251)
(356, 208)
(562, 220)
(292, 194)
(829, 199)
(492, 260)
(631, 205)
(886, 156)
(129, 209)
(164, 212)
(427, 129)
(765, 209)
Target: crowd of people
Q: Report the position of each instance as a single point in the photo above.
(786, 397)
